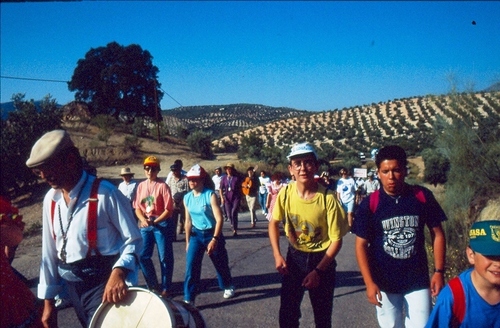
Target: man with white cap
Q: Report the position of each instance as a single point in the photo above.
(315, 225)
(90, 238)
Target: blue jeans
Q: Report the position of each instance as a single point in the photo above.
(198, 243)
(263, 201)
(161, 234)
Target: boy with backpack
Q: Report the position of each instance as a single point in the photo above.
(390, 244)
(314, 224)
(473, 298)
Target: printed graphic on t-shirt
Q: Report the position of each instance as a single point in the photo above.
(306, 234)
(400, 234)
(149, 201)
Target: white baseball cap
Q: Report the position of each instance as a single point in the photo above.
(302, 149)
(196, 172)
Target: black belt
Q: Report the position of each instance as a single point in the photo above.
(91, 267)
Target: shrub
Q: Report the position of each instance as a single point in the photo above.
(201, 142)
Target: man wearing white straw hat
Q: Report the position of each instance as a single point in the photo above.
(128, 186)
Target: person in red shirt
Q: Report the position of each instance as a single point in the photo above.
(20, 307)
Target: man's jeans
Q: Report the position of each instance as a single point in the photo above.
(263, 201)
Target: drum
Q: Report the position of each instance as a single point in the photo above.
(142, 308)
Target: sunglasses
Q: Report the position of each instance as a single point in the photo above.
(150, 168)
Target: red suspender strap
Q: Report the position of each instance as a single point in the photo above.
(52, 211)
(92, 218)
(374, 200)
(457, 290)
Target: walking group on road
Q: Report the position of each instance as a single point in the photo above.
(97, 238)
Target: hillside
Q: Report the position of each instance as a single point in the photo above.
(408, 121)
(223, 120)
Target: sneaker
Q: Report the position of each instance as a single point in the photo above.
(62, 303)
(229, 293)
(189, 302)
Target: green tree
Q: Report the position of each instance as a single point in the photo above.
(201, 142)
(25, 124)
(436, 166)
(118, 81)
(251, 147)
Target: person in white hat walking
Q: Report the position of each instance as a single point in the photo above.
(204, 234)
(128, 186)
(315, 225)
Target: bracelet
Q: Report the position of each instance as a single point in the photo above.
(439, 270)
(215, 237)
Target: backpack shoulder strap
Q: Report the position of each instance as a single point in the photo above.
(286, 193)
(324, 197)
(457, 290)
(419, 194)
(92, 218)
(374, 198)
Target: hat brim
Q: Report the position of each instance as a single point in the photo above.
(485, 248)
(302, 154)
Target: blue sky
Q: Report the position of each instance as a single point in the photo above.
(305, 55)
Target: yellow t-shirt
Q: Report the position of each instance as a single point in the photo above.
(309, 226)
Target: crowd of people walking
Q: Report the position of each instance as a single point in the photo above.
(97, 237)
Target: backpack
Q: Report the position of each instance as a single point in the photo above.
(375, 197)
(91, 217)
(459, 306)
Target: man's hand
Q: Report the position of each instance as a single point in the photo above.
(49, 315)
(115, 289)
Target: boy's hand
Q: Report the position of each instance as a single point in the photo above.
(312, 280)
(437, 283)
(374, 295)
(281, 265)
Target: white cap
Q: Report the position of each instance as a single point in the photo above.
(302, 149)
(48, 146)
(196, 172)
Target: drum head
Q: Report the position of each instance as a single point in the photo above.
(141, 308)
